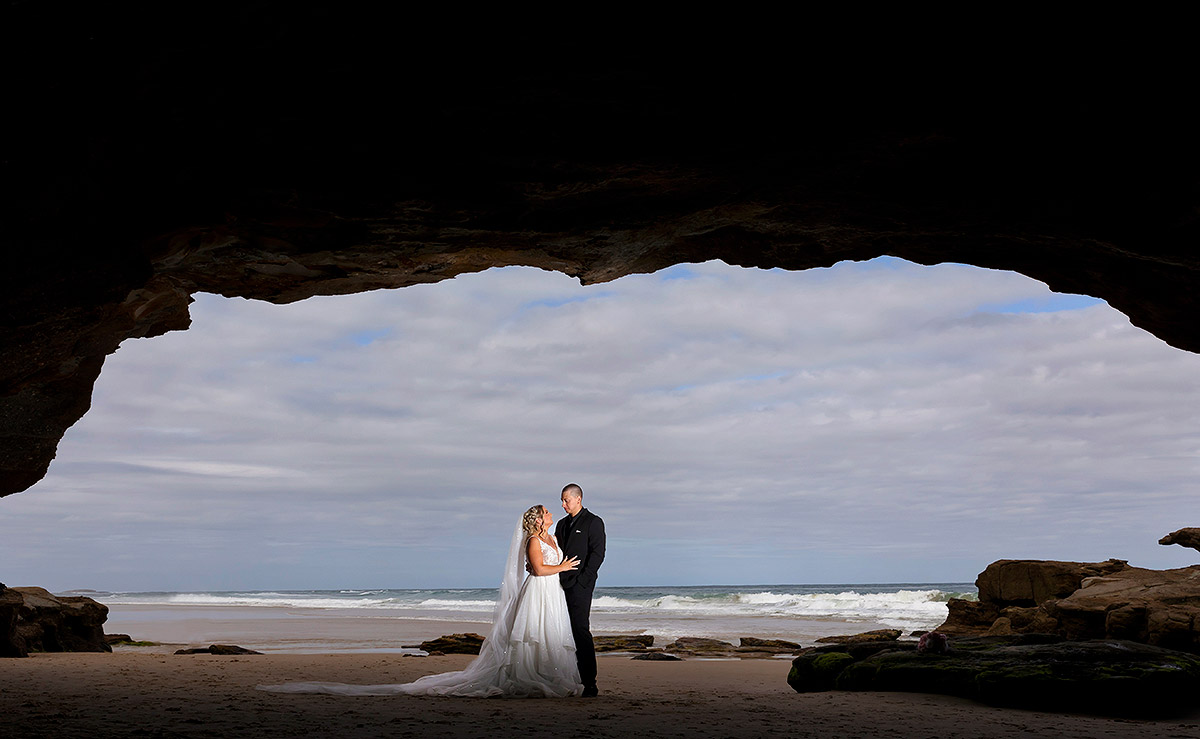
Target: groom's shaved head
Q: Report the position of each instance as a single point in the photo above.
(573, 491)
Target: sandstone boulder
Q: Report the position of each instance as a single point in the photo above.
(1029, 582)
(700, 647)
(779, 646)
(1110, 601)
(34, 620)
(1011, 591)
(657, 657)
(1159, 607)
(1184, 537)
(1107, 677)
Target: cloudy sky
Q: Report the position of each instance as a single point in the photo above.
(873, 422)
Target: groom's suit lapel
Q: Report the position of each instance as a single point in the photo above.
(568, 527)
(577, 524)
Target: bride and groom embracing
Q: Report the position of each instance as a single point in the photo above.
(541, 641)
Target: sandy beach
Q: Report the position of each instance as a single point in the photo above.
(150, 691)
(271, 629)
(135, 692)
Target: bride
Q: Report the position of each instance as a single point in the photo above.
(530, 651)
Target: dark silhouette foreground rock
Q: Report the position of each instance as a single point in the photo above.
(1112, 677)
(297, 149)
(220, 649)
(34, 620)
(10, 602)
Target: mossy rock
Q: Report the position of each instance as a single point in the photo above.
(468, 643)
(1149, 683)
(623, 643)
(910, 672)
(815, 672)
(1101, 676)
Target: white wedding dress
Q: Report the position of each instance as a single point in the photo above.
(530, 652)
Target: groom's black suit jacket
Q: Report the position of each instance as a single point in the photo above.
(582, 537)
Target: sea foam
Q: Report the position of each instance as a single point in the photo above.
(903, 607)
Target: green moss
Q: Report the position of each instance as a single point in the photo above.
(817, 673)
(1021, 672)
(1122, 679)
(833, 662)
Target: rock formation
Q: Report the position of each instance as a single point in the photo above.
(34, 620)
(623, 643)
(778, 646)
(1184, 537)
(10, 604)
(865, 637)
(1108, 677)
(749, 647)
(1160, 607)
(218, 649)
(1083, 600)
(295, 149)
(700, 646)
(468, 643)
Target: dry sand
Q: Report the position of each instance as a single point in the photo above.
(135, 692)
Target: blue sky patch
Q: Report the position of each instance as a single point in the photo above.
(557, 302)
(370, 336)
(1048, 304)
(675, 272)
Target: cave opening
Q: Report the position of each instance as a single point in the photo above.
(871, 422)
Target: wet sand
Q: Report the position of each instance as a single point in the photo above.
(274, 629)
(140, 692)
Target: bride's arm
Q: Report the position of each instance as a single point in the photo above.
(533, 555)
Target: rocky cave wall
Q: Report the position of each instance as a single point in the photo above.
(288, 150)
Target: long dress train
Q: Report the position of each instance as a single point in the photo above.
(530, 652)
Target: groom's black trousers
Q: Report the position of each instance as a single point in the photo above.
(579, 609)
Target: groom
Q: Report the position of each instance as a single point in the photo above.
(581, 534)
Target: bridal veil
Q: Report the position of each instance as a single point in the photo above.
(502, 667)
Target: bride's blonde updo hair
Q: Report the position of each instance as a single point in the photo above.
(532, 520)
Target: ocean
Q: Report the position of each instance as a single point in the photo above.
(376, 619)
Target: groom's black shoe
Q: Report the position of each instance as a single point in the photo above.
(590, 692)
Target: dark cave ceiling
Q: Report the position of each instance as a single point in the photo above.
(291, 150)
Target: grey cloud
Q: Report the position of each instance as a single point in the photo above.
(863, 423)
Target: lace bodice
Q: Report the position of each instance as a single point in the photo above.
(550, 555)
